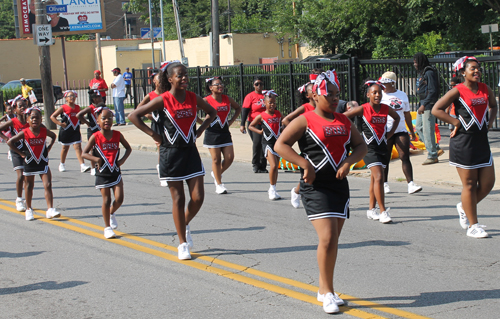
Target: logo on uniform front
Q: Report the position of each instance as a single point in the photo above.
(222, 108)
(110, 146)
(36, 141)
(273, 120)
(180, 114)
(334, 130)
(379, 119)
(478, 101)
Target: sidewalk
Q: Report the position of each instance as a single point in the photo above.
(441, 174)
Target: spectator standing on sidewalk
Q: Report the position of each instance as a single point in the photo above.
(25, 88)
(98, 83)
(428, 93)
(127, 77)
(118, 87)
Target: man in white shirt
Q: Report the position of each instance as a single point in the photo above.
(118, 87)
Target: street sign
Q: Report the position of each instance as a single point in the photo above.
(487, 28)
(43, 34)
(146, 33)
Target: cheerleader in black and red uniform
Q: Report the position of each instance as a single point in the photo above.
(15, 125)
(91, 121)
(9, 114)
(105, 147)
(270, 123)
(324, 138)
(374, 132)
(217, 136)
(469, 147)
(36, 159)
(179, 157)
(69, 132)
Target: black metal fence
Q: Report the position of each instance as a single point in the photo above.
(285, 78)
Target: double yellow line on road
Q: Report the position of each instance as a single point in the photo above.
(257, 277)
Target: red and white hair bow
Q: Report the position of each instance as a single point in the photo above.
(14, 100)
(460, 63)
(321, 82)
(371, 82)
(303, 88)
(97, 92)
(102, 108)
(71, 91)
(269, 93)
(164, 65)
(213, 78)
(29, 110)
(313, 77)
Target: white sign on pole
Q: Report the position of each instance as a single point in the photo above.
(43, 34)
(487, 28)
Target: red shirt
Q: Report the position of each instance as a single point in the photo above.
(99, 84)
(255, 102)
(308, 107)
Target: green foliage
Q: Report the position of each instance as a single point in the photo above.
(430, 44)
(9, 94)
(7, 26)
(389, 48)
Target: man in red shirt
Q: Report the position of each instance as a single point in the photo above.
(98, 83)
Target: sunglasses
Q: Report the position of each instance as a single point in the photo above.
(258, 84)
(218, 84)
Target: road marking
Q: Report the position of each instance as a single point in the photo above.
(219, 271)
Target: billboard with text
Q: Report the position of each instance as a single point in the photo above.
(65, 16)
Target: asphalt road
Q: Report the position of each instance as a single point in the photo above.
(254, 258)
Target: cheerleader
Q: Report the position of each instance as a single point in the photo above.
(270, 123)
(217, 136)
(69, 131)
(324, 137)
(179, 157)
(253, 105)
(15, 125)
(374, 123)
(36, 160)
(469, 146)
(91, 121)
(105, 145)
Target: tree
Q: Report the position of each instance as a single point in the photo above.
(7, 23)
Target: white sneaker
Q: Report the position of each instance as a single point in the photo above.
(412, 188)
(183, 252)
(336, 297)
(273, 195)
(109, 233)
(84, 168)
(92, 172)
(52, 213)
(62, 167)
(384, 217)
(189, 239)
(112, 221)
(213, 176)
(387, 189)
(329, 304)
(477, 231)
(220, 189)
(372, 214)
(29, 214)
(295, 198)
(20, 206)
(464, 222)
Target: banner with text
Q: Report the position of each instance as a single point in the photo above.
(65, 16)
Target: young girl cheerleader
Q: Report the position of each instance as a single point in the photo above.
(398, 100)
(179, 157)
(270, 123)
(15, 126)
(91, 121)
(9, 114)
(105, 145)
(36, 160)
(323, 137)
(155, 117)
(307, 104)
(374, 132)
(469, 147)
(217, 136)
(69, 131)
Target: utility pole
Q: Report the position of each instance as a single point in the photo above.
(178, 27)
(98, 51)
(126, 25)
(45, 69)
(215, 33)
(162, 30)
(151, 33)
(228, 16)
(65, 70)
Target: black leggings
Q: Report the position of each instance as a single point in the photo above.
(402, 142)
(258, 159)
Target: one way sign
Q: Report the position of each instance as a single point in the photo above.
(43, 34)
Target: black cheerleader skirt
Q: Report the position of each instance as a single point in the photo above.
(377, 155)
(217, 139)
(325, 199)
(69, 136)
(470, 150)
(107, 181)
(180, 163)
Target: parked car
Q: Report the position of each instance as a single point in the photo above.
(36, 84)
(1, 84)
